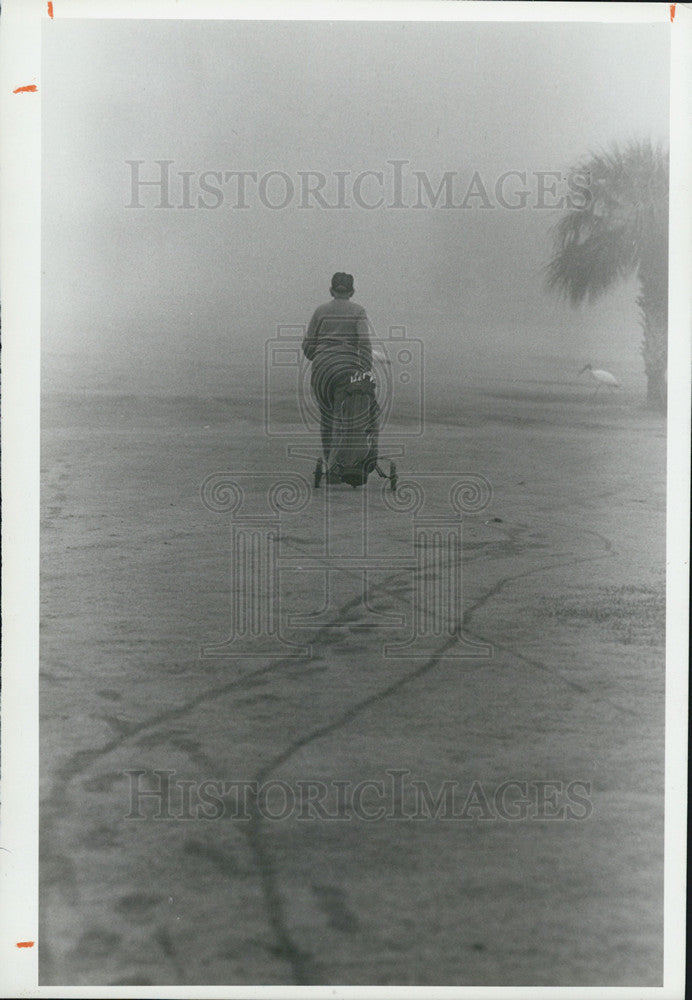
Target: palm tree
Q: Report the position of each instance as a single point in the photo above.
(621, 230)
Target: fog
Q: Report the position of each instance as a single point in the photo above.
(171, 300)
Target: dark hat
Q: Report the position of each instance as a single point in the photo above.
(342, 282)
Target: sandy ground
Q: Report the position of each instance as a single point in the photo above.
(563, 575)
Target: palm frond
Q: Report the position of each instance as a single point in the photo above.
(622, 224)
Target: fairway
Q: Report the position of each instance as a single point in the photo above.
(558, 678)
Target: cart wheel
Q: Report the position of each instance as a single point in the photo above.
(318, 473)
(393, 478)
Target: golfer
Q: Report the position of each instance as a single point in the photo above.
(337, 343)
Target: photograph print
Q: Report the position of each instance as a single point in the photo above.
(354, 383)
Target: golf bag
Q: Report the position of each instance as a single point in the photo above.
(353, 453)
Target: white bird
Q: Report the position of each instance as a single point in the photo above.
(601, 377)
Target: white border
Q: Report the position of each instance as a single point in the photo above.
(20, 192)
(20, 277)
(360, 10)
(678, 497)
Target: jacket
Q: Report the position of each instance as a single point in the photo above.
(340, 327)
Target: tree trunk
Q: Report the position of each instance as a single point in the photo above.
(656, 390)
(653, 307)
(656, 366)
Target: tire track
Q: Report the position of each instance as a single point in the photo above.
(80, 762)
(303, 965)
(530, 661)
(54, 807)
(305, 968)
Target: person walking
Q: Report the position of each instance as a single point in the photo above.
(337, 342)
